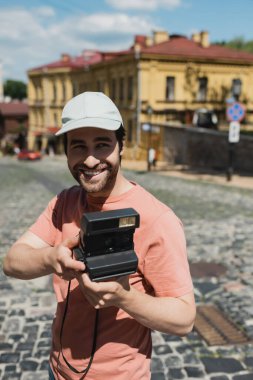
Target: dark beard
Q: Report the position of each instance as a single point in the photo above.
(77, 168)
(105, 185)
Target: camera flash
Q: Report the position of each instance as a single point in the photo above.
(127, 221)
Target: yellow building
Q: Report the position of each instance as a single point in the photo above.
(161, 80)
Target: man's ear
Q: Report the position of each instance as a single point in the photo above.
(122, 150)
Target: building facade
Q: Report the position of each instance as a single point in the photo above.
(159, 80)
(13, 125)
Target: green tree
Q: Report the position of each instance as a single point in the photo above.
(15, 89)
(238, 43)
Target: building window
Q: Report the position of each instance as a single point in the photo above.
(202, 90)
(113, 89)
(121, 89)
(75, 88)
(236, 88)
(170, 88)
(55, 119)
(84, 86)
(63, 91)
(54, 92)
(36, 118)
(100, 85)
(130, 131)
(37, 92)
(130, 88)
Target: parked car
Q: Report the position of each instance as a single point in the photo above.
(29, 155)
(204, 118)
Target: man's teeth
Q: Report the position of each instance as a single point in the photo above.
(89, 172)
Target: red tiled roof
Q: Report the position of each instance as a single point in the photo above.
(184, 47)
(87, 58)
(110, 55)
(140, 39)
(13, 108)
(177, 46)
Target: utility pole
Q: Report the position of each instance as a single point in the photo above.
(149, 112)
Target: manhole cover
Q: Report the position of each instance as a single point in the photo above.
(216, 329)
(205, 269)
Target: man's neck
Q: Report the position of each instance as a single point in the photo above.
(122, 185)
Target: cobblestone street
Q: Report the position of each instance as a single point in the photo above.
(218, 223)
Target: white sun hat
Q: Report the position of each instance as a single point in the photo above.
(90, 109)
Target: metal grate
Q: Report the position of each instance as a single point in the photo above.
(216, 329)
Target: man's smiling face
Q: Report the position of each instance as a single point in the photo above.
(94, 159)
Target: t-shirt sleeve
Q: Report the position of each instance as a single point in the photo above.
(45, 226)
(166, 267)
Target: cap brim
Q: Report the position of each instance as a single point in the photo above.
(110, 125)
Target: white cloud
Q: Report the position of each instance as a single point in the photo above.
(44, 11)
(34, 40)
(112, 23)
(147, 5)
(22, 23)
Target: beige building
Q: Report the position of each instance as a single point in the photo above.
(161, 79)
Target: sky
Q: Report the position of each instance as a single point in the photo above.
(36, 32)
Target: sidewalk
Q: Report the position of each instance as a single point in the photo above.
(218, 227)
(179, 171)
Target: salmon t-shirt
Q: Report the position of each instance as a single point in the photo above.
(123, 348)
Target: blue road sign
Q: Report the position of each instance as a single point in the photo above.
(236, 112)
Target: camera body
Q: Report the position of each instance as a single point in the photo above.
(106, 243)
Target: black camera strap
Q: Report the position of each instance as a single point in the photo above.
(93, 350)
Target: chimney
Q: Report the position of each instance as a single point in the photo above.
(137, 50)
(196, 38)
(88, 54)
(204, 39)
(160, 36)
(139, 43)
(65, 57)
(149, 41)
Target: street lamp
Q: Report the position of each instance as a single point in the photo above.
(149, 113)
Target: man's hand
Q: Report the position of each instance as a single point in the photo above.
(165, 314)
(106, 293)
(31, 257)
(62, 260)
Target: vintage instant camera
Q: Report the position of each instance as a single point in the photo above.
(106, 243)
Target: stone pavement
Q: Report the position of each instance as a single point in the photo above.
(219, 229)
